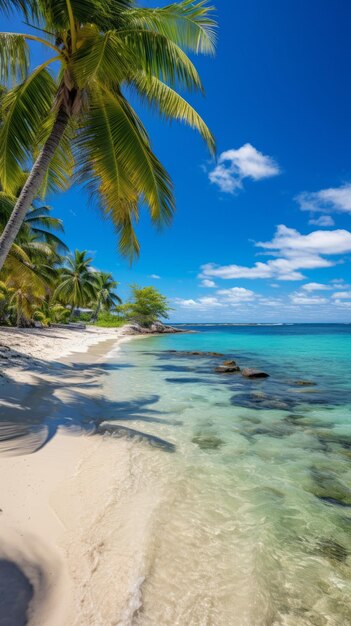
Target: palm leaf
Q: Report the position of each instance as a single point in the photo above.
(157, 55)
(24, 108)
(171, 105)
(14, 57)
(186, 23)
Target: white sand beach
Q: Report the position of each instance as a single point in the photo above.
(50, 494)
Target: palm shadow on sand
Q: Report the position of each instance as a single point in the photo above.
(32, 413)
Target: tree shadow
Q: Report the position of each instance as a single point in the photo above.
(31, 413)
(16, 593)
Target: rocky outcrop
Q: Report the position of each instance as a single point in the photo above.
(228, 367)
(194, 353)
(251, 373)
(154, 329)
(305, 383)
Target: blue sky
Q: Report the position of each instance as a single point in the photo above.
(263, 234)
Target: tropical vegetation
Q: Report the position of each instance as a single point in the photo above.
(145, 307)
(76, 123)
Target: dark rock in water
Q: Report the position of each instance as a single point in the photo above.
(294, 418)
(329, 488)
(194, 353)
(206, 441)
(333, 550)
(229, 363)
(327, 436)
(227, 369)
(333, 501)
(305, 383)
(185, 380)
(251, 373)
(261, 401)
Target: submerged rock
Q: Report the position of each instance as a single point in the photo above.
(227, 369)
(195, 353)
(330, 489)
(251, 373)
(332, 550)
(206, 441)
(261, 401)
(305, 383)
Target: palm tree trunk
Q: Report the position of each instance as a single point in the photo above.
(72, 313)
(32, 185)
(97, 311)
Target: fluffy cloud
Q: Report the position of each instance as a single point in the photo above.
(336, 199)
(323, 220)
(290, 241)
(201, 303)
(293, 252)
(301, 298)
(236, 295)
(315, 287)
(235, 165)
(206, 282)
(155, 276)
(342, 295)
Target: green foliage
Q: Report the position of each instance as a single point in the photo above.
(102, 48)
(146, 306)
(109, 320)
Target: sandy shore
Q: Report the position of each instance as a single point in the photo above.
(49, 485)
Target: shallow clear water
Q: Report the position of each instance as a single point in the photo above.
(252, 514)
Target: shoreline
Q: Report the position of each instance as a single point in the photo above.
(36, 512)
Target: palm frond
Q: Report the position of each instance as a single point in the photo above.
(159, 56)
(14, 57)
(24, 109)
(115, 145)
(171, 105)
(187, 23)
(29, 8)
(100, 57)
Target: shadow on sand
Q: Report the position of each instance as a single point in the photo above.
(32, 413)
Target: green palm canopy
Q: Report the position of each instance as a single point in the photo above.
(77, 283)
(77, 120)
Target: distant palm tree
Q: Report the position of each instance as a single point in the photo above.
(105, 297)
(77, 283)
(82, 121)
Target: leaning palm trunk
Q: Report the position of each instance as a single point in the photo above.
(96, 312)
(32, 185)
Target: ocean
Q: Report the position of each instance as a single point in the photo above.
(248, 482)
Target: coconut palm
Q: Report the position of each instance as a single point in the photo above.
(105, 297)
(77, 283)
(81, 120)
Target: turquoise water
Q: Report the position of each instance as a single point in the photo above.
(252, 508)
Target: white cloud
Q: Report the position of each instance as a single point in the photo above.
(342, 295)
(343, 304)
(259, 270)
(235, 165)
(206, 282)
(336, 199)
(201, 303)
(236, 295)
(290, 241)
(315, 287)
(323, 220)
(155, 276)
(301, 298)
(294, 252)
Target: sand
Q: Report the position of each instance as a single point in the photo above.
(50, 491)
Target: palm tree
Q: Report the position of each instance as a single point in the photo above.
(81, 120)
(77, 283)
(105, 297)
